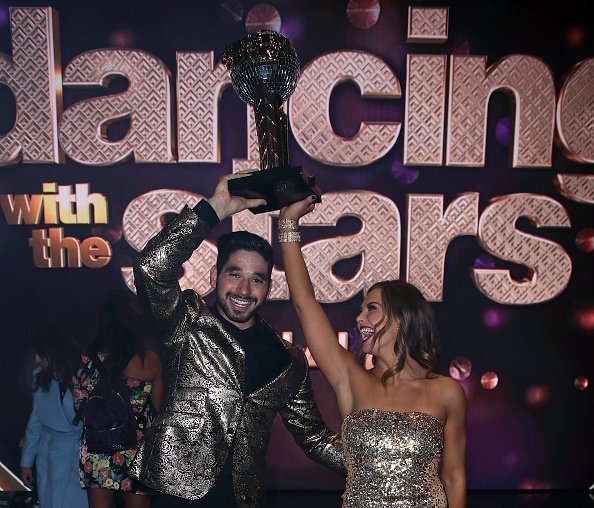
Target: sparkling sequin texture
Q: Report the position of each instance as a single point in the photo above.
(392, 460)
(207, 407)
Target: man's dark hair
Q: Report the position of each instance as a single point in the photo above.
(243, 240)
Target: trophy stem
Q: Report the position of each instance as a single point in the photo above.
(272, 127)
(264, 69)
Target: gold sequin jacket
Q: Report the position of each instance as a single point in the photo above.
(206, 408)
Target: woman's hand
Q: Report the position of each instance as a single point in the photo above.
(298, 209)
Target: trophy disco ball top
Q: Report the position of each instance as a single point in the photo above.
(262, 57)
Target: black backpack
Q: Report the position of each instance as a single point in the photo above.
(109, 421)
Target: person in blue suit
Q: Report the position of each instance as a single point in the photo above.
(51, 440)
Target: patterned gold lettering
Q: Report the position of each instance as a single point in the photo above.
(146, 103)
(309, 108)
(549, 266)
(528, 81)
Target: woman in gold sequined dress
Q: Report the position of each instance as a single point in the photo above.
(400, 418)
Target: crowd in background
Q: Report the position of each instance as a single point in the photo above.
(73, 468)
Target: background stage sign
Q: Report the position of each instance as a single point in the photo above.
(454, 145)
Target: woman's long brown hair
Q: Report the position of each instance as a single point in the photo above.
(416, 336)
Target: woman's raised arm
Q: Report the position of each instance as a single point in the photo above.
(333, 360)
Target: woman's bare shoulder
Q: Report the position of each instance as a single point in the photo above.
(145, 368)
(450, 392)
(446, 388)
(151, 361)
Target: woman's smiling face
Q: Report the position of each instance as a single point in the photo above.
(371, 320)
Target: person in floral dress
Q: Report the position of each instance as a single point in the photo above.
(119, 349)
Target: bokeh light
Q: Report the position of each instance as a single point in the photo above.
(263, 17)
(489, 380)
(502, 131)
(460, 47)
(293, 28)
(355, 340)
(537, 395)
(231, 12)
(363, 14)
(576, 36)
(4, 15)
(584, 240)
(402, 174)
(580, 383)
(495, 318)
(534, 485)
(484, 261)
(583, 317)
(460, 368)
(112, 233)
(505, 443)
(122, 39)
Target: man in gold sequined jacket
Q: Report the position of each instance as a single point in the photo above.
(227, 372)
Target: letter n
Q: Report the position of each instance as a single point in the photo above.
(528, 82)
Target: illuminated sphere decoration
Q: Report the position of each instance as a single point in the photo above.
(580, 383)
(460, 368)
(363, 14)
(489, 380)
(263, 17)
(585, 240)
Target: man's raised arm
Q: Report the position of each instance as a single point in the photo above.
(159, 264)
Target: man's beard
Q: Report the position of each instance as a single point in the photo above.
(236, 317)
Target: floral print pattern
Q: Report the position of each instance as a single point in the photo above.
(110, 471)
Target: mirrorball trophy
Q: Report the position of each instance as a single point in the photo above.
(264, 69)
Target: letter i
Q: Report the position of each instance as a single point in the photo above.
(50, 203)
(425, 88)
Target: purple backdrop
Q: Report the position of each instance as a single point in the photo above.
(534, 429)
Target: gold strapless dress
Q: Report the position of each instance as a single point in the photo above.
(392, 460)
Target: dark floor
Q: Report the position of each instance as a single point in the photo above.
(476, 499)
(325, 499)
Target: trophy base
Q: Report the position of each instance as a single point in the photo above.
(278, 186)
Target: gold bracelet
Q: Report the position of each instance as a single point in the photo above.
(290, 224)
(289, 237)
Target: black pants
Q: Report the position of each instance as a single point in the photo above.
(220, 496)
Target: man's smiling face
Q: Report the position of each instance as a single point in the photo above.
(241, 287)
